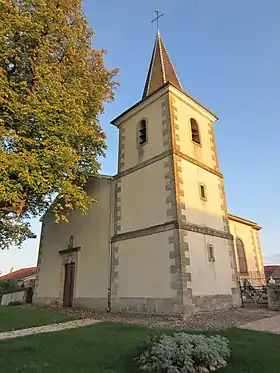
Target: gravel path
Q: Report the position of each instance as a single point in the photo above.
(253, 319)
(200, 321)
(47, 328)
(271, 325)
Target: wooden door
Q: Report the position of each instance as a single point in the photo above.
(68, 284)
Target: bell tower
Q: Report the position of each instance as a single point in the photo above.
(172, 251)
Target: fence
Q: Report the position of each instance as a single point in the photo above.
(21, 295)
(253, 291)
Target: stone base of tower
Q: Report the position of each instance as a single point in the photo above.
(166, 306)
(169, 273)
(169, 306)
(215, 302)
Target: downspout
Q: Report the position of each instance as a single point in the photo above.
(112, 200)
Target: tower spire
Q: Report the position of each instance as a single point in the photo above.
(161, 69)
(156, 19)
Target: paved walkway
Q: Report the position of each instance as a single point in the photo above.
(271, 325)
(47, 328)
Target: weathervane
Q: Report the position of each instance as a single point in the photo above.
(158, 15)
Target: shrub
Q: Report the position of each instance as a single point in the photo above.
(8, 284)
(184, 353)
(15, 303)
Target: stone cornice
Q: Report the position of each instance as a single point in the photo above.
(69, 251)
(169, 226)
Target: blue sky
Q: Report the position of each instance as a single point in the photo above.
(227, 56)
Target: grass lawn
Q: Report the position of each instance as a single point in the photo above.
(12, 318)
(110, 348)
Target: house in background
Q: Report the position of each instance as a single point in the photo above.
(25, 276)
(273, 271)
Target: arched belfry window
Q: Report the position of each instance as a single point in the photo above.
(195, 131)
(241, 256)
(142, 132)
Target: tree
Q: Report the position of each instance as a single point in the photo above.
(8, 284)
(52, 88)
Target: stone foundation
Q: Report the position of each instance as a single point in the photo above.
(236, 297)
(88, 302)
(212, 302)
(45, 301)
(168, 306)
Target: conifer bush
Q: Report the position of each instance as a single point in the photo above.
(184, 353)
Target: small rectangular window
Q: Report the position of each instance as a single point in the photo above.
(211, 256)
(202, 191)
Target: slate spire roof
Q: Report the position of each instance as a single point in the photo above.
(161, 69)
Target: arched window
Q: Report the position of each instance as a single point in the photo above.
(241, 256)
(142, 132)
(195, 131)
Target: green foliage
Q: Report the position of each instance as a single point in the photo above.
(8, 284)
(110, 347)
(52, 88)
(15, 303)
(184, 353)
(26, 317)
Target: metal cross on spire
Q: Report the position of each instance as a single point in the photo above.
(156, 19)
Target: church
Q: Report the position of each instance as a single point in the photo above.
(159, 239)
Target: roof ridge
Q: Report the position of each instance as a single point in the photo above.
(161, 59)
(18, 272)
